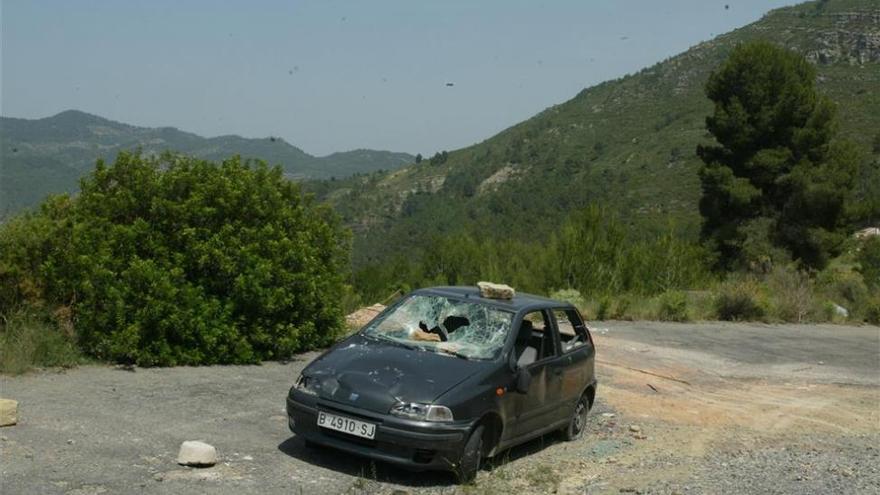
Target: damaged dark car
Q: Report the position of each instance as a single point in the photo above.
(447, 377)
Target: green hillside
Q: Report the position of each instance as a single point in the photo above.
(43, 156)
(627, 144)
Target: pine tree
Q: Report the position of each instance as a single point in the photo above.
(776, 178)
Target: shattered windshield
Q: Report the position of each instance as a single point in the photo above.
(447, 326)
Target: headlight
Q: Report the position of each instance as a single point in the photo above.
(421, 412)
(307, 385)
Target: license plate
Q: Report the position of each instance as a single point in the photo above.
(346, 425)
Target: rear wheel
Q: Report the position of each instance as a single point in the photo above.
(471, 457)
(578, 422)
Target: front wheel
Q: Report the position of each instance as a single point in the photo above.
(471, 457)
(578, 422)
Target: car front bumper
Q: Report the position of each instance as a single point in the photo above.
(417, 445)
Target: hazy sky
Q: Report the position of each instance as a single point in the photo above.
(329, 75)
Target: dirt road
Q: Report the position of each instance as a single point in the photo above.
(691, 408)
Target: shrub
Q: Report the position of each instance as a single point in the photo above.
(173, 260)
(673, 306)
(593, 253)
(792, 292)
(29, 339)
(872, 310)
(603, 312)
(26, 242)
(842, 285)
(868, 258)
(621, 308)
(570, 296)
(740, 300)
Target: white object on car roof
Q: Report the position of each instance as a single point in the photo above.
(495, 291)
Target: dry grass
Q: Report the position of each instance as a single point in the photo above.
(29, 340)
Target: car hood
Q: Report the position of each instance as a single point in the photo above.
(374, 375)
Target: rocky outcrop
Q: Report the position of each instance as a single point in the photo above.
(855, 39)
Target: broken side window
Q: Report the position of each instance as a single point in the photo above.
(572, 333)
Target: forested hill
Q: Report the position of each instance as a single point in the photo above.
(628, 144)
(49, 155)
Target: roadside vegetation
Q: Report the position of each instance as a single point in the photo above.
(30, 338)
(163, 261)
(171, 261)
(781, 195)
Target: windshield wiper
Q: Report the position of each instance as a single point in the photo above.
(384, 338)
(453, 353)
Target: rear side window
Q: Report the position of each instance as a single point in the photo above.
(572, 332)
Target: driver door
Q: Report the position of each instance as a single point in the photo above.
(538, 408)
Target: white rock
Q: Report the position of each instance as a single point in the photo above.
(868, 232)
(195, 453)
(635, 428)
(495, 291)
(8, 412)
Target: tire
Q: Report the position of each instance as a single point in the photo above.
(471, 457)
(578, 422)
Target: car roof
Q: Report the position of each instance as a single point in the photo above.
(521, 301)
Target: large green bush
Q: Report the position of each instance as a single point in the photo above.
(175, 260)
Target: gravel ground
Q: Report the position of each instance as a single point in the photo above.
(691, 408)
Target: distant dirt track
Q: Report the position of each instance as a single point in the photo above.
(720, 408)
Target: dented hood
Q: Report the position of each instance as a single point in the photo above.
(374, 375)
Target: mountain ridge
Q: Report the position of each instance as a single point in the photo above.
(628, 144)
(50, 154)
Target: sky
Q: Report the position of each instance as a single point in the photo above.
(326, 75)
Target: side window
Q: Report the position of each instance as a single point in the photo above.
(572, 332)
(538, 343)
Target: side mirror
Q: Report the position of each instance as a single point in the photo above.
(511, 361)
(523, 380)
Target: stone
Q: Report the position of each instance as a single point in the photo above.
(8, 412)
(490, 290)
(866, 233)
(363, 316)
(195, 453)
(425, 336)
(635, 428)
